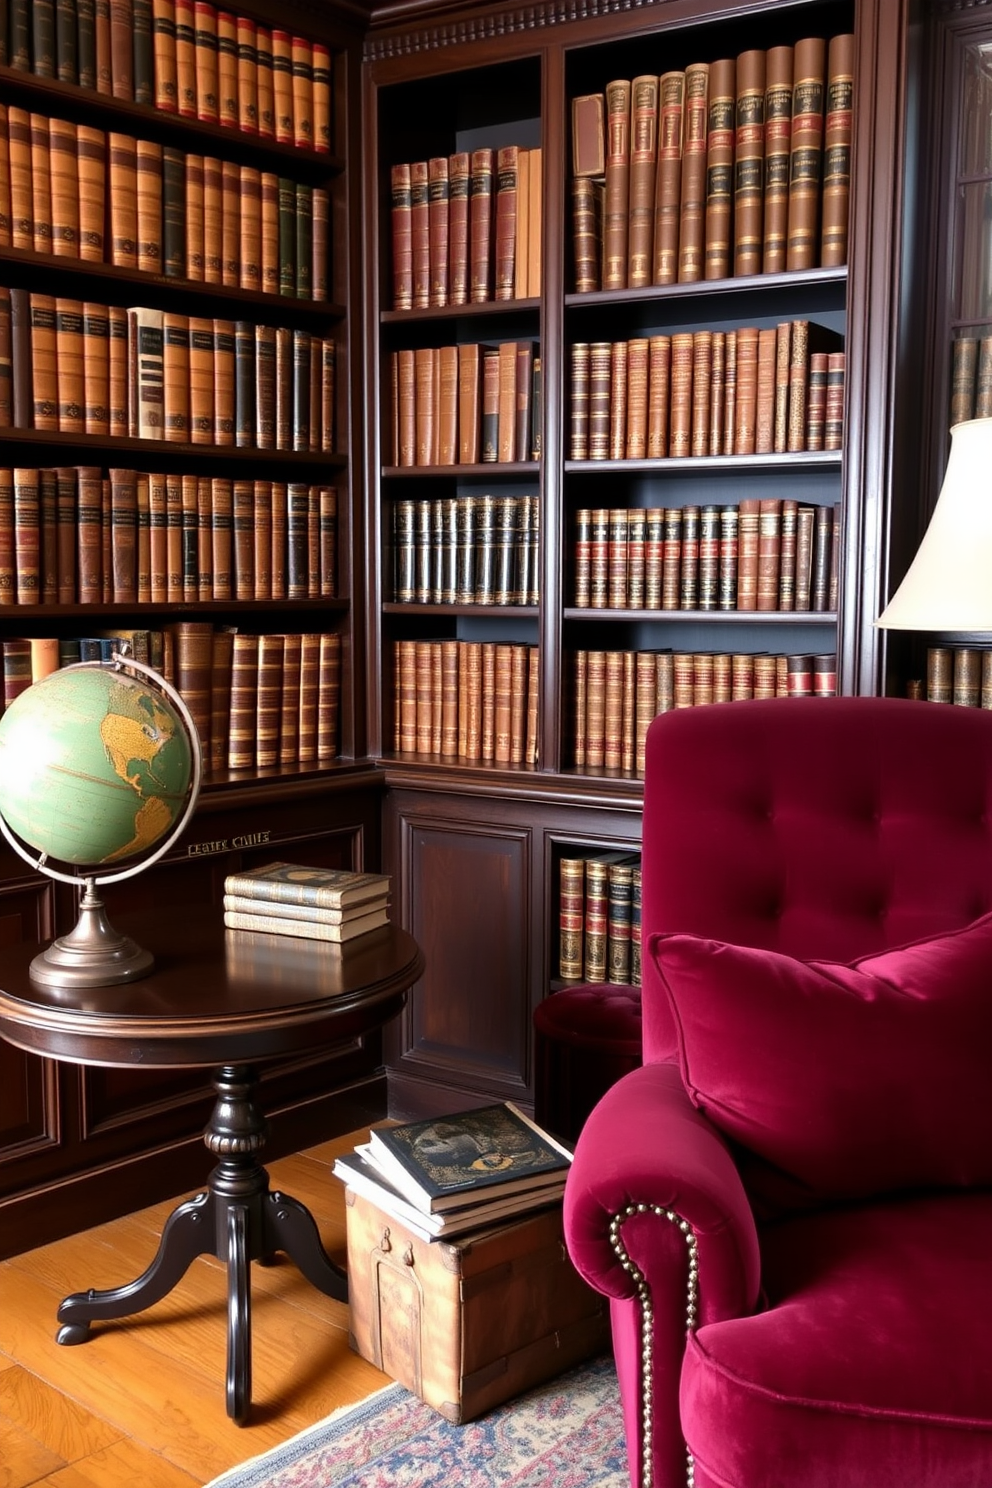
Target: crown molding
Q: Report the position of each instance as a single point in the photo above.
(475, 26)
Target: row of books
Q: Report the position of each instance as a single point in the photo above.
(466, 404)
(471, 700)
(448, 1175)
(81, 535)
(738, 166)
(326, 904)
(466, 550)
(599, 917)
(258, 701)
(749, 391)
(74, 191)
(80, 368)
(184, 57)
(971, 378)
(466, 228)
(763, 553)
(616, 694)
(956, 674)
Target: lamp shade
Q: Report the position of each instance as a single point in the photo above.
(949, 583)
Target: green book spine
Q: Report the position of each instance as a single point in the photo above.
(297, 523)
(43, 38)
(66, 42)
(304, 242)
(144, 65)
(173, 213)
(4, 32)
(19, 49)
(287, 237)
(86, 43)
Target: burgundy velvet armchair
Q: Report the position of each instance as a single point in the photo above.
(789, 1204)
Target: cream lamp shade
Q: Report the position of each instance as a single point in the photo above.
(949, 583)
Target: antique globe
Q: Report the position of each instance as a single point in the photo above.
(99, 771)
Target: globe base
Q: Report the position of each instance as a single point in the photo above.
(93, 954)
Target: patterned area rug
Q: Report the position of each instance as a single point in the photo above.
(567, 1434)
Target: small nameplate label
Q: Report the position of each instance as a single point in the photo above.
(227, 844)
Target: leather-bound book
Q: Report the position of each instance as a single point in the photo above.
(834, 417)
(118, 370)
(600, 370)
(146, 374)
(822, 545)
(230, 185)
(806, 154)
(193, 640)
(287, 236)
(123, 535)
(328, 394)
(48, 591)
(833, 582)
(646, 693)
(64, 187)
(143, 558)
(195, 244)
(191, 487)
(143, 60)
(489, 413)
(692, 206)
(579, 690)
(519, 664)
(503, 704)
(224, 374)
(447, 411)
(250, 244)
(262, 563)
(964, 364)
(571, 909)
(597, 910)
(671, 558)
(175, 367)
(787, 555)
(297, 545)
(654, 548)
(719, 212)
(66, 42)
(659, 395)
(746, 394)
(244, 702)
(245, 414)
(798, 384)
(89, 534)
(616, 563)
(269, 232)
(582, 560)
(43, 38)
(643, 170)
(580, 359)
(599, 558)
(983, 379)
(769, 552)
(21, 192)
(709, 557)
(201, 380)
(207, 82)
(940, 665)
(213, 220)
(302, 76)
(588, 135)
(668, 182)
(5, 210)
(504, 550)
(730, 392)
(247, 75)
(764, 424)
(966, 673)
(322, 132)
(837, 121)
(480, 225)
(487, 704)
(617, 202)
(22, 391)
(44, 363)
(637, 398)
(123, 200)
(521, 287)
(148, 197)
(173, 213)
(301, 391)
(636, 543)
(401, 235)
(289, 718)
(41, 184)
(729, 554)
(227, 70)
(8, 563)
(617, 438)
(535, 221)
(27, 535)
(438, 228)
(329, 698)
(303, 275)
(702, 386)
(284, 388)
(91, 178)
(680, 405)
(420, 234)
(6, 362)
(71, 376)
(718, 392)
(783, 359)
(164, 54)
(174, 537)
(157, 539)
(186, 58)
(309, 693)
(459, 179)
(327, 530)
(825, 675)
(423, 672)
(506, 437)
(805, 524)
(243, 538)
(321, 226)
(505, 244)
(587, 232)
(816, 401)
(122, 49)
(425, 405)
(748, 530)
(749, 164)
(266, 83)
(779, 64)
(689, 567)
(221, 676)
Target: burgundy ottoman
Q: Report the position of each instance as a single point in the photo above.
(586, 1037)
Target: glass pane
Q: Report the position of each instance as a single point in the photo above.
(975, 288)
(976, 111)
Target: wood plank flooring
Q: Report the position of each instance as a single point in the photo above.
(141, 1402)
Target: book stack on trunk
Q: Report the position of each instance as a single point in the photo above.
(331, 904)
(447, 1175)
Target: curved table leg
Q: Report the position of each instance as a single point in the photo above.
(289, 1226)
(188, 1233)
(238, 1315)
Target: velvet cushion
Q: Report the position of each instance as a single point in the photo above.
(839, 1081)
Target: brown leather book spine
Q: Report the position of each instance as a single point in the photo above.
(643, 171)
(118, 370)
(201, 380)
(833, 584)
(71, 375)
(596, 920)
(221, 534)
(680, 407)
(659, 395)
(728, 559)
(646, 703)
(837, 125)
(798, 383)
(401, 202)
(89, 535)
(783, 358)
(227, 70)
(243, 538)
(195, 244)
(223, 360)
(425, 408)
(329, 698)
(480, 220)
(302, 77)
(48, 546)
(213, 220)
(289, 718)
(266, 83)
(778, 153)
(692, 208)
(65, 188)
(595, 751)
(668, 183)
(157, 539)
(405, 437)
(635, 557)
(571, 908)
(505, 245)
(44, 363)
(983, 379)
(506, 445)
(459, 179)
(230, 224)
(764, 423)
(186, 59)
(964, 364)
(587, 232)
(503, 704)
(487, 701)
(535, 223)
(175, 375)
(702, 387)
(718, 393)
(654, 550)
(718, 216)
(748, 537)
(615, 215)
(123, 535)
(580, 359)
(164, 54)
(940, 664)
(834, 422)
(582, 560)
(27, 535)
(221, 679)
(309, 694)
(787, 555)
(322, 98)
(174, 537)
(316, 403)
(588, 135)
(123, 200)
(600, 367)
(101, 35)
(91, 170)
(284, 387)
(263, 555)
(636, 447)
(244, 702)
(205, 57)
(269, 701)
(328, 536)
(21, 191)
(689, 570)
(617, 438)
(423, 668)
(616, 559)
(122, 50)
(769, 553)
(749, 164)
(247, 75)
(519, 656)
(746, 394)
(8, 559)
(250, 241)
(599, 558)
(805, 521)
(6, 362)
(816, 401)
(106, 543)
(195, 496)
(41, 184)
(520, 284)
(806, 154)
(420, 239)
(321, 228)
(579, 705)
(438, 228)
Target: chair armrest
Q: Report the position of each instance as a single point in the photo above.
(644, 1144)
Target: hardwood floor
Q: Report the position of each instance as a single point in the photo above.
(141, 1402)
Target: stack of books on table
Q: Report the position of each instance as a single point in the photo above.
(445, 1175)
(332, 904)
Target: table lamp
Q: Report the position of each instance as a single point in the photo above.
(949, 583)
